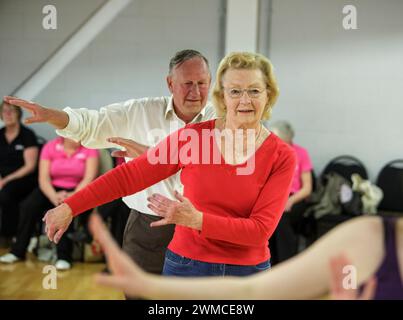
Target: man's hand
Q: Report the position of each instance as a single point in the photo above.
(59, 119)
(132, 148)
(180, 212)
(57, 221)
(38, 112)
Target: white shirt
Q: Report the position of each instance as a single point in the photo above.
(146, 121)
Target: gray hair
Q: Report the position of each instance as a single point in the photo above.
(184, 55)
(284, 130)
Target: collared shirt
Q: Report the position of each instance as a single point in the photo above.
(146, 121)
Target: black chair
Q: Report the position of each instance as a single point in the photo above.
(390, 180)
(345, 166)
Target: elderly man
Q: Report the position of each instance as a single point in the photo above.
(188, 81)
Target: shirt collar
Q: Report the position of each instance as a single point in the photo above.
(170, 107)
(170, 111)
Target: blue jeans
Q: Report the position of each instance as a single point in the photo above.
(176, 265)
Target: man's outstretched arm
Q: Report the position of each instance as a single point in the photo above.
(57, 118)
(91, 127)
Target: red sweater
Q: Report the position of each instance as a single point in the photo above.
(240, 212)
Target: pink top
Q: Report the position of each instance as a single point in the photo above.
(66, 171)
(304, 164)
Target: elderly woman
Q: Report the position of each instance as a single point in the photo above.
(236, 178)
(284, 243)
(65, 167)
(18, 160)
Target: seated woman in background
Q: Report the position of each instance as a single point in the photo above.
(284, 242)
(371, 247)
(18, 163)
(64, 168)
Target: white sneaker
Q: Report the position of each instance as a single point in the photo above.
(62, 265)
(33, 243)
(9, 258)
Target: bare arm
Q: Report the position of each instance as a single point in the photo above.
(306, 276)
(338, 289)
(57, 118)
(91, 171)
(304, 192)
(45, 183)
(30, 161)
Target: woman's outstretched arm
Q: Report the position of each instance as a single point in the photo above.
(306, 276)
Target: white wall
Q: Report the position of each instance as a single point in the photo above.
(241, 25)
(128, 59)
(341, 89)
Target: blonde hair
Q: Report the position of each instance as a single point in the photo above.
(250, 61)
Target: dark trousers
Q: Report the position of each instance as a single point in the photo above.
(32, 210)
(146, 245)
(10, 197)
(284, 241)
(118, 212)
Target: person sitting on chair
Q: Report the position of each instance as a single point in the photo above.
(284, 242)
(18, 164)
(64, 168)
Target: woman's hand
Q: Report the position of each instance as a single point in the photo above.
(125, 274)
(289, 204)
(180, 212)
(57, 221)
(54, 199)
(339, 290)
(61, 196)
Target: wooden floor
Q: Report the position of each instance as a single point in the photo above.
(23, 280)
